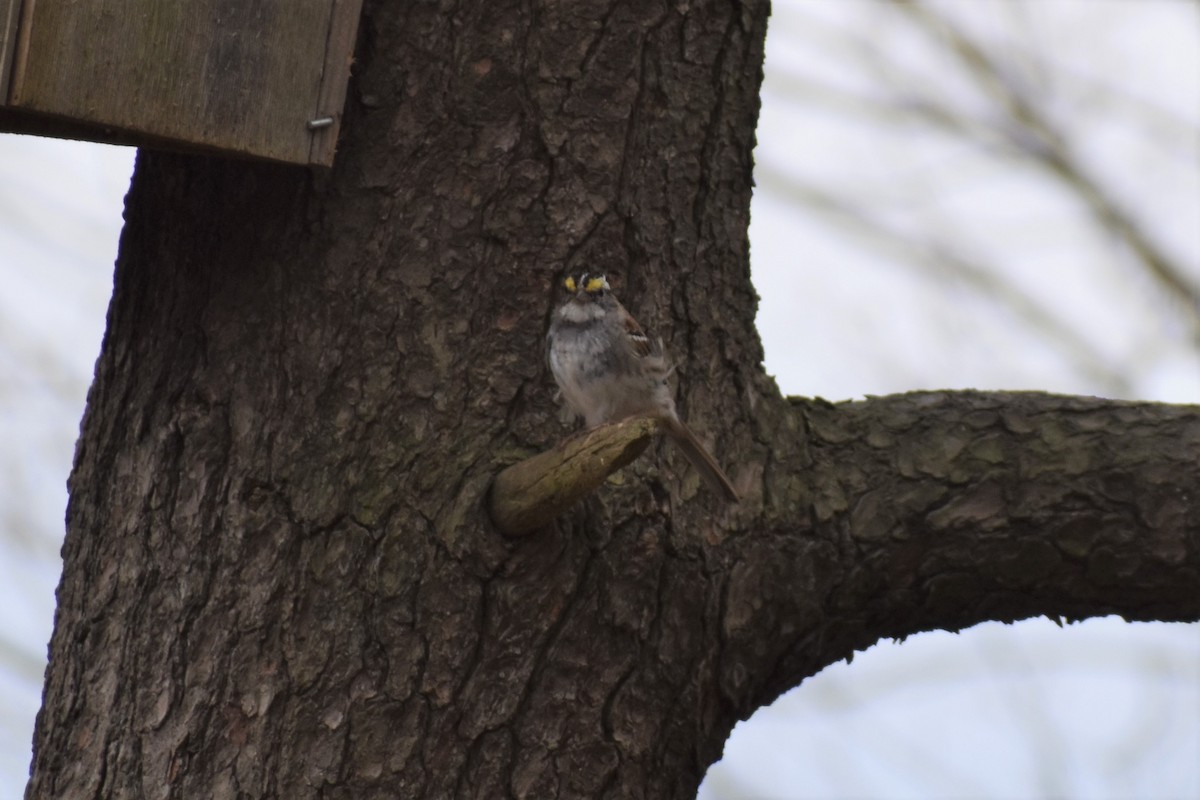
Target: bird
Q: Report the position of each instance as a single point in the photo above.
(608, 369)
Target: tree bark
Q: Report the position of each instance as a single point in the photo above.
(280, 578)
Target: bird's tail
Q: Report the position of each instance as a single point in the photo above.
(701, 459)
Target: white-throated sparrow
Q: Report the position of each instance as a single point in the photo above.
(609, 369)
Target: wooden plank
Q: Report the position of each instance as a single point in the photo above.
(32, 123)
(339, 54)
(9, 9)
(240, 76)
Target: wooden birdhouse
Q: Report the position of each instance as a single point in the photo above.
(265, 78)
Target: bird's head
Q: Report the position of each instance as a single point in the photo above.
(588, 287)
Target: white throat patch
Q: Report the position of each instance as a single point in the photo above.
(577, 312)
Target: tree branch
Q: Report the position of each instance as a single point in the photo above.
(942, 510)
(533, 492)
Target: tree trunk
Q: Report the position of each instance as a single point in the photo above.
(280, 579)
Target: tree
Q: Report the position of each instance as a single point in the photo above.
(280, 578)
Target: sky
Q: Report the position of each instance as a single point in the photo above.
(1095, 710)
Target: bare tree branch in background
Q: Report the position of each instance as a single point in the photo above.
(1036, 135)
(940, 259)
(1004, 106)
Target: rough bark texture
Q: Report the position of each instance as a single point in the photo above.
(279, 575)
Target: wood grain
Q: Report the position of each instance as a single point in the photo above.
(244, 78)
(8, 42)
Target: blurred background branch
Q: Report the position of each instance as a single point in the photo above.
(1021, 114)
(988, 145)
